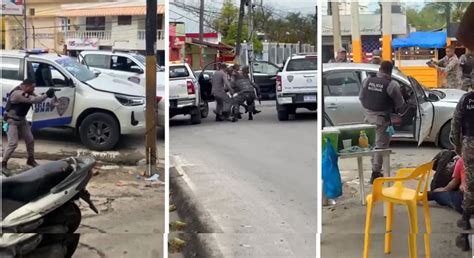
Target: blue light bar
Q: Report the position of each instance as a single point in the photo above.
(37, 51)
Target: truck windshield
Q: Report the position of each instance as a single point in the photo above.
(306, 64)
(76, 69)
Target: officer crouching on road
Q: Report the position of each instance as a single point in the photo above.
(380, 96)
(19, 103)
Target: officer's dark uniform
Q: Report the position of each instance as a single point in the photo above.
(380, 96)
(467, 68)
(462, 137)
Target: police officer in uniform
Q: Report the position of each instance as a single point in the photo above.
(467, 68)
(380, 96)
(341, 56)
(449, 65)
(376, 57)
(19, 103)
(220, 86)
(462, 130)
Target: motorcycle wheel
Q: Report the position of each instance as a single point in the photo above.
(68, 215)
(62, 245)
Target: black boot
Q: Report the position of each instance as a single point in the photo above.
(250, 116)
(255, 111)
(462, 242)
(32, 162)
(464, 222)
(374, 176)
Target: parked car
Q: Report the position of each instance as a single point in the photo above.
(296, 85)
(100, 108)
(128, 66)
(185, 94)
(428, 118)
(265, 76)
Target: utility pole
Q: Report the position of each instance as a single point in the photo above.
(336, 26)
(150, 41)
(387, 31)
(356, 40)
(201, 21)
(250, 32)
(25, 25)
(238, 41)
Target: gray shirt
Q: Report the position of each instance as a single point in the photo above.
(393, 90)
(220, 82)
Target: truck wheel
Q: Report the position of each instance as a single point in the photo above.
(444, 141)
(283, 114)
(204, 108)
(196, 116)
(99, 131)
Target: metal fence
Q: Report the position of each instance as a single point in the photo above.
(276, 53)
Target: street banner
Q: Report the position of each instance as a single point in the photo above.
(82, 44)
(12, 7)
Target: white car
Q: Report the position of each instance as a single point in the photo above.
(127, 66)
(100, 108)
(296, 85)
(428, 118)
(185, 94)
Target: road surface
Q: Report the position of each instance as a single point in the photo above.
(254, 177)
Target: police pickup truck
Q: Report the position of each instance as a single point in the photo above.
(99, 107)
(296, 85)
(185, 94)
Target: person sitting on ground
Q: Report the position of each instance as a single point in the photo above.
(452, 194)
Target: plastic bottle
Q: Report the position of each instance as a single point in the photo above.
(363, 140)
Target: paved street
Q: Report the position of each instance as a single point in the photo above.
(254, 177)
(345, 221)
(131, 219)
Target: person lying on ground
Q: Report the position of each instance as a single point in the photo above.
(452, 194)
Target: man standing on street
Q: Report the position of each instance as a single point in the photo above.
(376, 57)
(380, 96)
(449, 65)
(220, 87)
(341, 56)
(467, 68)
(19, 103)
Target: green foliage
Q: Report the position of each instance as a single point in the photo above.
(433, 15)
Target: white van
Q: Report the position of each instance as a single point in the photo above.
(101, 108)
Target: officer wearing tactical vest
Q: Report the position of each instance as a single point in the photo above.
(19, 103)
(467, 68)
(381, 96)
(462, 137)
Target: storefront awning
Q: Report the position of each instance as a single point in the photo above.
(110, 11)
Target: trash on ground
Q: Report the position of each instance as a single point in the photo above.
(153, 178)
(177, 225)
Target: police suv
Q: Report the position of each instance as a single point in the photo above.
(99, 107)
(296, 85)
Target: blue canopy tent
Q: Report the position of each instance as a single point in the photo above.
(422, 40)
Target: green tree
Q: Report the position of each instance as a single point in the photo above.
(433, 15)
(229, 15)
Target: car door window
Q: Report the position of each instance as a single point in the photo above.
(10, 68)
(265, 68)
(344, 83)
(46, 75)
(124, 64)
(98, 61)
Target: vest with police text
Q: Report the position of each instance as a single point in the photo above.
(21, 109)
(377, 98)
(467, 120)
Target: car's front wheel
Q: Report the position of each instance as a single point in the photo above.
(99, 131)
(444, 141)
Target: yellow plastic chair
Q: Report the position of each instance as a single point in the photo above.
(399, 194)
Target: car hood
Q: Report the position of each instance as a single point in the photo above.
(108, 83)
(452, 95)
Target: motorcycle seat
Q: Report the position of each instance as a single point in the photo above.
(33, 183)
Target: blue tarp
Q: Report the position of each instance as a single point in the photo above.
(422, 40)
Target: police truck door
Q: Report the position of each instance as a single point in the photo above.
(425, 112)
(55, 111)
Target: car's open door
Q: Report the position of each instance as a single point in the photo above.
(424, 114)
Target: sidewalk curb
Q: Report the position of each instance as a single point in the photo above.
(199, 221)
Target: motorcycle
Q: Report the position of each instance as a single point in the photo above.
(39, 206)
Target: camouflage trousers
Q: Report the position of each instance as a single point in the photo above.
(468, 156)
